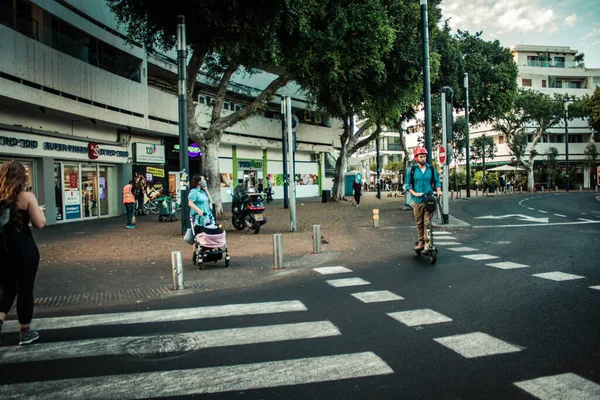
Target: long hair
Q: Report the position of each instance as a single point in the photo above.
(12, 179)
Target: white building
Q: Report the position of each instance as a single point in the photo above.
(85, 111)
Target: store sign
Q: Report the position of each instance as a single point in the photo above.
(251, 164)
(149, 153)
(23, 144)
(194, 150)
(72, 204)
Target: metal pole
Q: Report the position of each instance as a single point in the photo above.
(284, 153)
(183, 120)
(277, 251)
(483, 166)
(426, 79)
(466, 81)
(566, 146)
(292, 183)
(378, 167)
(177, 269)
(317, 239)
(445, 210)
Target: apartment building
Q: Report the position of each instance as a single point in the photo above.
(85, 111)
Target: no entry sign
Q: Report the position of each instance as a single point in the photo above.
(442, 155)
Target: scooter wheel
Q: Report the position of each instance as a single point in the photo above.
(433, 257)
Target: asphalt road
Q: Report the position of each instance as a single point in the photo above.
(484, 322)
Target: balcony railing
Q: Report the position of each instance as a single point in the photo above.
(551, 64)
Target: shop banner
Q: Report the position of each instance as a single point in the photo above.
(72, 200)
(147, 153)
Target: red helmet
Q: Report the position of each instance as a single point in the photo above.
(419, 150)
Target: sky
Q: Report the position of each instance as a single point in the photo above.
(573, 23)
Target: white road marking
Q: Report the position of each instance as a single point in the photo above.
(477, 344)
(348, 282)
(462, 249)
(167, 343)
(185, 382)
(597, 287)
(447, 243)
(531, 208)
(419, 317)
(507, 265)
(444, 238)
(332, 270)
(167, 315)
(534, 225)
(436, 233)
(543, 212)
(558, 276)
(586, 220)
(521, 217)
(563, 386)
(377, 296)
(480, 257)
(560, 215)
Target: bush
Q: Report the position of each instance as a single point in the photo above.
(462, 179)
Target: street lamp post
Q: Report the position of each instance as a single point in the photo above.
(426, 80)
(183, 119)
(566, 145)
(467, 134)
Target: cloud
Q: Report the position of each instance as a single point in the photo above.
(501, 16)
(570, 20)
(591, 32)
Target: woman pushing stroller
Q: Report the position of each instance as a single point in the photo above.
(200, 201)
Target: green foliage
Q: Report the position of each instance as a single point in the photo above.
(352, 167)
(483, 146)
(373, 166)
(457, 178)
(591, 109)
(591, 155)
(394, 166)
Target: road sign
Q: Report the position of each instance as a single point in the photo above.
(442, 154)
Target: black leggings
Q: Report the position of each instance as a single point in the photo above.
(17, 277)
(357, 197)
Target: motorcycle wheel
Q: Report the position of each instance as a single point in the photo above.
(237, 224)
(256, 227)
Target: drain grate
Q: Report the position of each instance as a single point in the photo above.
(102, 298)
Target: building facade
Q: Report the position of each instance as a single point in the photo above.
(86, 111)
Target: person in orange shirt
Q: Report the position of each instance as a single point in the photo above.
(129, 202)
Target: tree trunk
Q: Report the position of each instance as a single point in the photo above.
(210, 162)
(530, 180)
(341, 164)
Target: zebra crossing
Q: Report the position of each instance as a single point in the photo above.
(472, 345)
(180, 382)
(443, 238)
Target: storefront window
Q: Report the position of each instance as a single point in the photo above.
(107, 190)
(89, 191)
(58, 191)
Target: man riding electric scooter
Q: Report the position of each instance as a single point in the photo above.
(422, 180)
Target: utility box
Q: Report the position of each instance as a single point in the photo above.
(349, 180)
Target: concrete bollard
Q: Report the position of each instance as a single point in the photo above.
(542, 189)
(177, 266)
(556, 189)
(317, 239)
(277, 251)
(452, 195)
(580, 188)
(375, 218)
(476, 191)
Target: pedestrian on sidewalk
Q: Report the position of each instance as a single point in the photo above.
(129, 202)
(357, 187)
(422, 180)
(18, 251)
(140, 189)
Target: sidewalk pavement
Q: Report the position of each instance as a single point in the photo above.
(98, 263)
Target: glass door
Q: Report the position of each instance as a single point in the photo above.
(89, 191)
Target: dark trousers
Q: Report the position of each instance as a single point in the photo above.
(17, 277)
(129, 211)
(139, 201)
(357, 197)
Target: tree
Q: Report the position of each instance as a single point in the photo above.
(373, 166)
(483, 147)
(591, 157)
(552, 163)
(591, 111)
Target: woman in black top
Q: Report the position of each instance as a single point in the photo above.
(357, 187)
(18, 251)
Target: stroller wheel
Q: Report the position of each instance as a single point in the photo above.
(194, 258)
(226, 263)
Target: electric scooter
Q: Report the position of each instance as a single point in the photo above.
(430, 250)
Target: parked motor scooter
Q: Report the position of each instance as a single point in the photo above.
(246, 210)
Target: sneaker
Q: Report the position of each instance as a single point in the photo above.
(130, 226)
(28, 336)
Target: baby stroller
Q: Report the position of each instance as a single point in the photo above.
(210, 244)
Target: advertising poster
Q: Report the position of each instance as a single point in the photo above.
(72, 202)
(306, 179)
(226, 179)
(154, 180)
